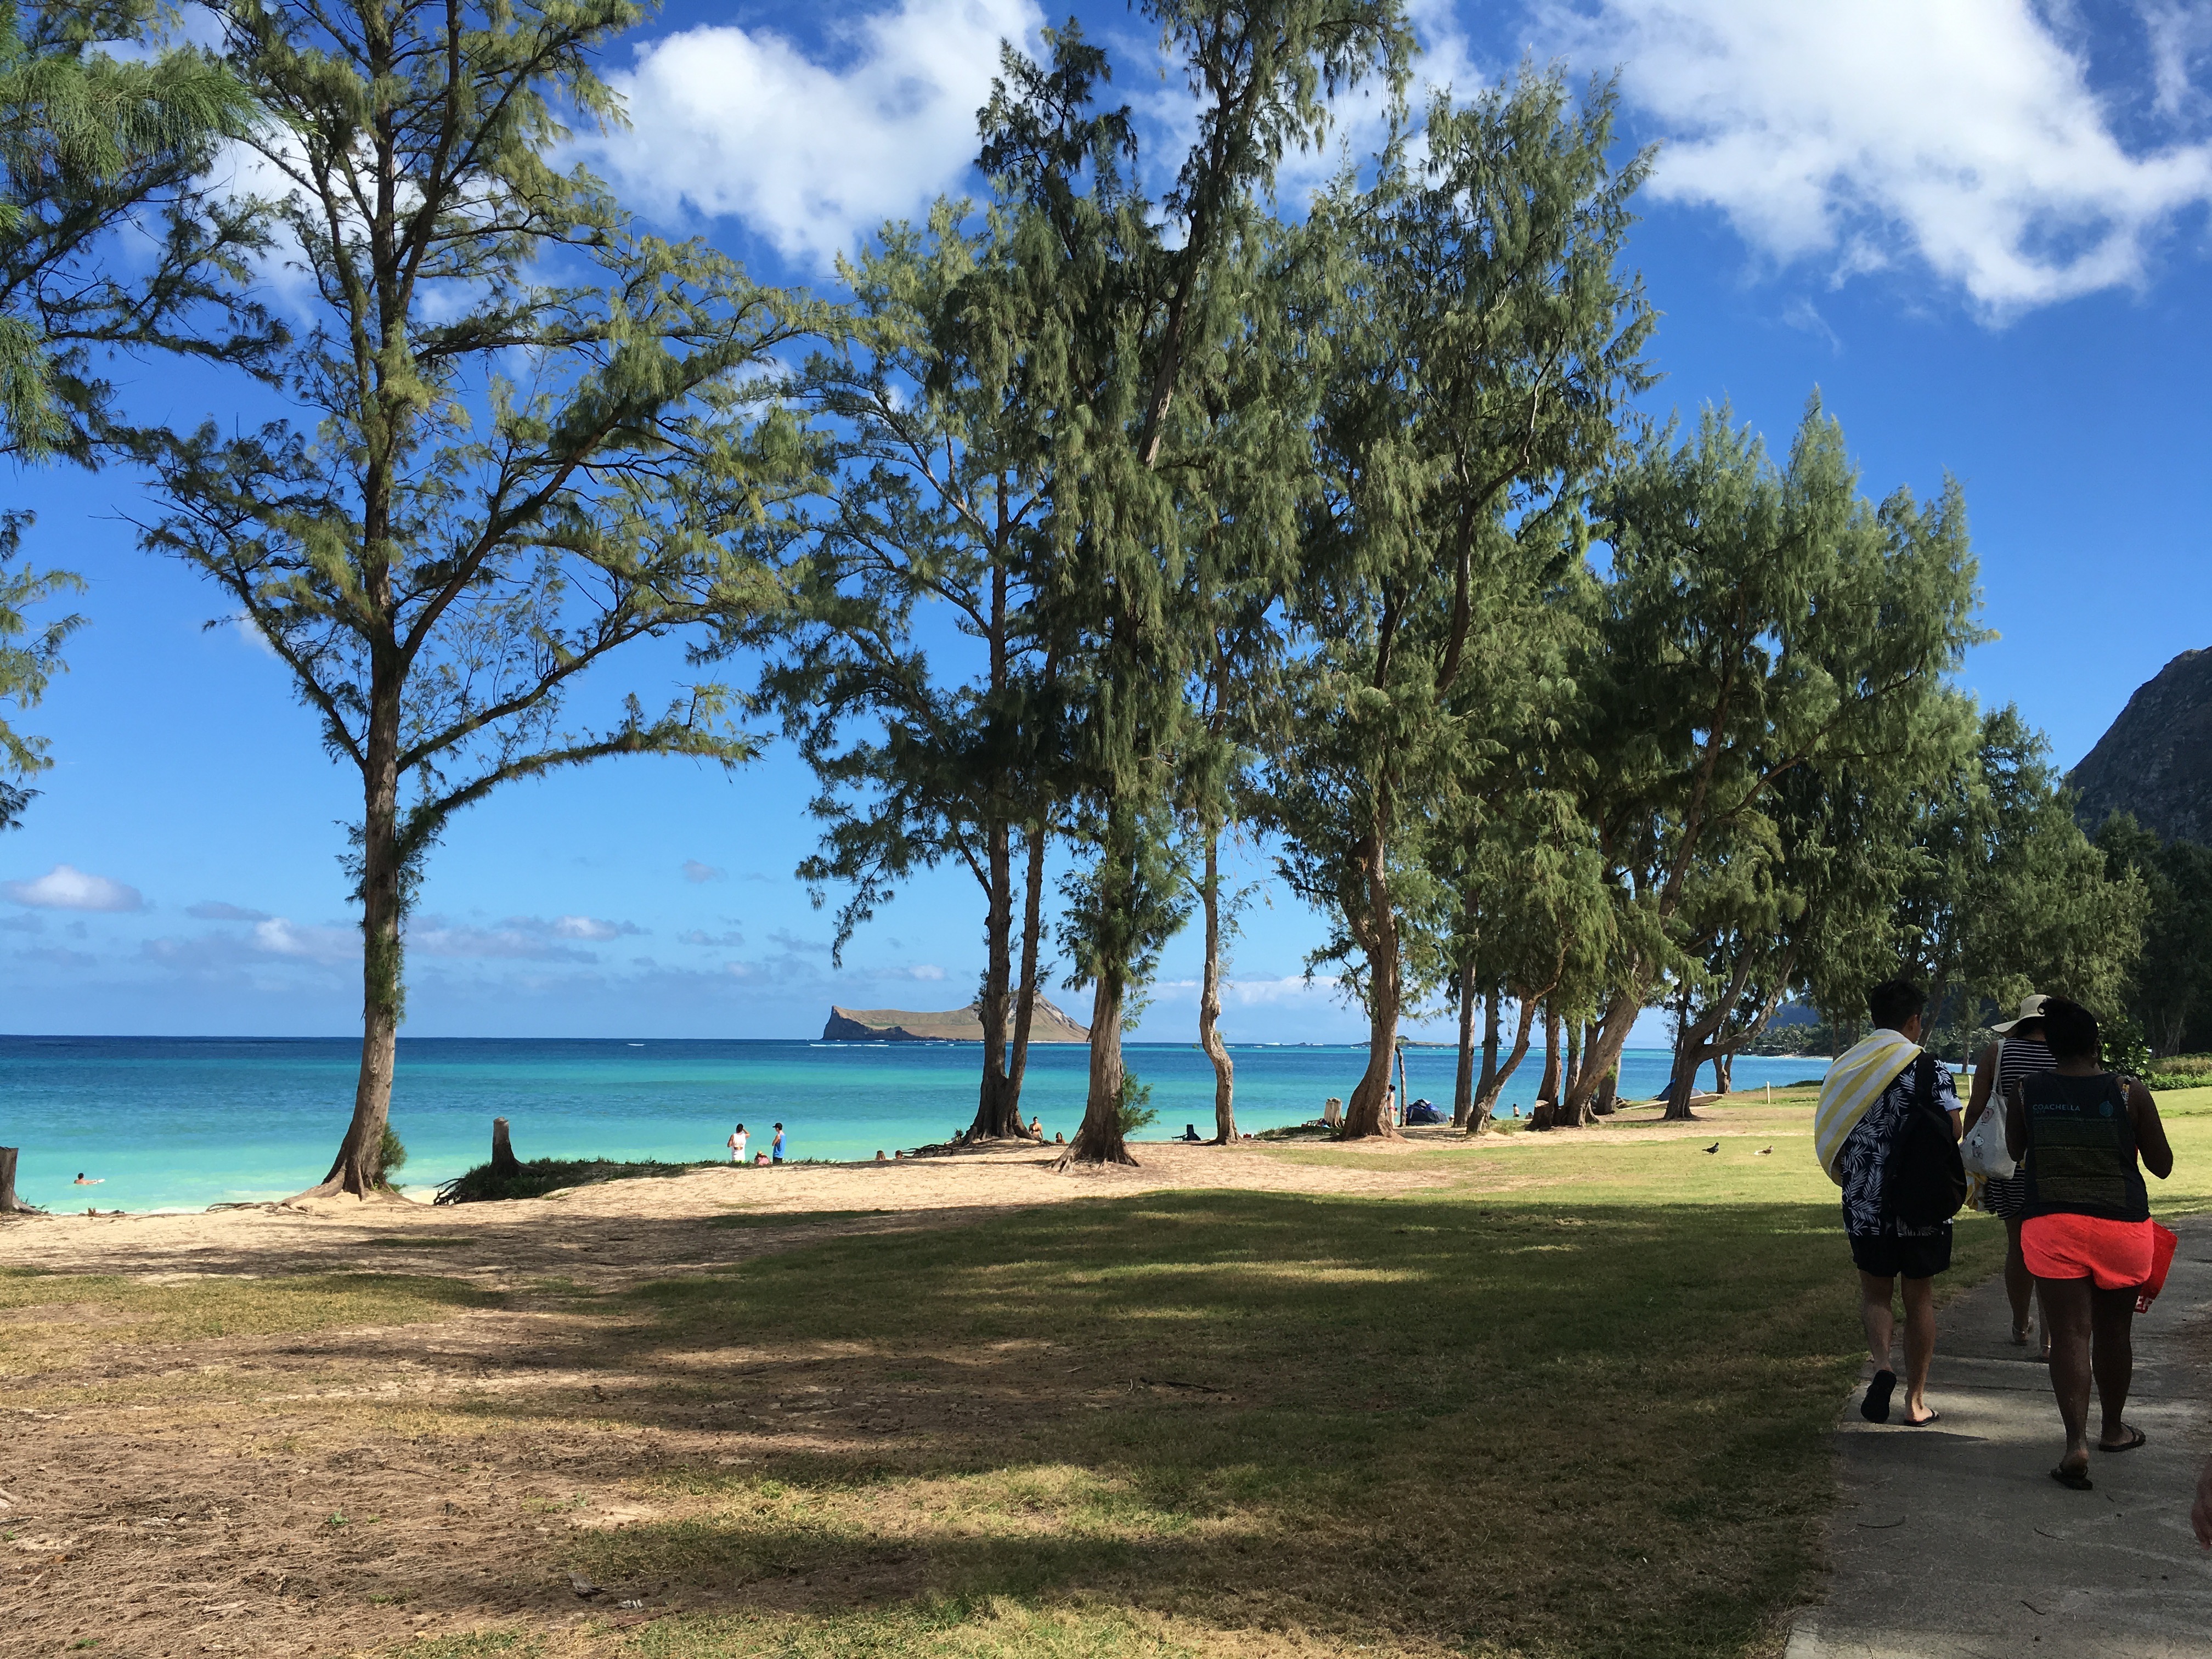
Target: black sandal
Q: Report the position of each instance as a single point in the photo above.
(1875, 1406)
(2078, 1479)
(2125, 1445)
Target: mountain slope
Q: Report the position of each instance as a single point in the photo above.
(2156, 760)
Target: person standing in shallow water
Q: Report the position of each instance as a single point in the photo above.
(1864, 1123)
(2084, 1138)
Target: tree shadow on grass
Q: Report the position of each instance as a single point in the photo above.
(1548, 1425)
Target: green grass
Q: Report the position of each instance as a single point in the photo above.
(1576, 1402)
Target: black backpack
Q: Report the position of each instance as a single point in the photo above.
(1924, 1182)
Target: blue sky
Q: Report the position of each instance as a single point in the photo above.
(1979, 229)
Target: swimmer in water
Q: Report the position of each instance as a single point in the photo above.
(81, 1182)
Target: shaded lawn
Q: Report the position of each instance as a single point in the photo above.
(1589, 1424)
(1574, 1404)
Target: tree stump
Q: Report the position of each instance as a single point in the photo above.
(503, 1162)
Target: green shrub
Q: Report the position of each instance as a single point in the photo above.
(541, 1176)
(390, 1157)
(1136, 1111)
(2180, 1071)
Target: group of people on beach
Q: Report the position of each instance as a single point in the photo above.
(2062, 1164)
(738, 1140)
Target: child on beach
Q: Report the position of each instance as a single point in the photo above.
(738, 1145)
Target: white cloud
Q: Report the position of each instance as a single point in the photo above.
(530, 938)
(329, 946)
(741, 122)
(65, 888)
(583, 927)
(247, 629)
(215, 910)
(1965, 135)
(696, 871)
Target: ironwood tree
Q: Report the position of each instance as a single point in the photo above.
(526, 437)
(2008, 895)
(1482, 344)
(110, 242)
(1760, 621)
(1113, 305)
(934, 507)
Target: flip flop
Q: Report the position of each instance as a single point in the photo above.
(2127, 1445)
(1923, 1422)
(2078, 1479)
(1875, 1406)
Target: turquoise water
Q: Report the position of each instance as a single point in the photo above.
(186, 1122)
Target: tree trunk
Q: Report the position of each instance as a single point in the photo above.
(1485, 1087)
(998, 1113)
(1723, 1071)
(1613, 1030)
(1607, 1100)
(10, 1204)
(503, 1161)
(1574, 1071)
(1463, 1080)
(1025, 999)
(1496, 1077)
(1549, 1088)
(1385, 986)
(1209, 1000)
(358, 1169)
(1099, 1139)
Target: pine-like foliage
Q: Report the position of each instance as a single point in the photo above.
(529, 436)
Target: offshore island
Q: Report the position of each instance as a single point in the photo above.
(1049, 1024)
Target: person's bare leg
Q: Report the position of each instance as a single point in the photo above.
(1875, 1313)
(2020, 1285)
(1919, 1346)
(2112, 1359)
(2066, 1308)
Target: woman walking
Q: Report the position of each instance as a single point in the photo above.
(2078, 1133)
(2018, 1053)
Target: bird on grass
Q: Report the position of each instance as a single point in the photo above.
(1762, 1152)
(1715, 1147)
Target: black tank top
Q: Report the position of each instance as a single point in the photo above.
(2082, 1149)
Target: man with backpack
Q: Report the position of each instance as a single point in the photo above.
(1888, 1132)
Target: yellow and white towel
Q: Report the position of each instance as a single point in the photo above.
(1854, 1082)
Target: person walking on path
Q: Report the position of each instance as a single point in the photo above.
(2018, 1052)
(2084, 1139)
(1887, 1129)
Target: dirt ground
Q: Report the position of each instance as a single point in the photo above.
(181, 1481)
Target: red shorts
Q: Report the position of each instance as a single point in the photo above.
(2114, 1254)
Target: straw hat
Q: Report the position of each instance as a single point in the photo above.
(2031, 1007)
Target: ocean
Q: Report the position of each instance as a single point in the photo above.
(182, 1123)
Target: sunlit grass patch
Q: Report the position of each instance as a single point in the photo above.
(53, 1320)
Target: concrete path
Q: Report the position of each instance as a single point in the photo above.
(1952, 1541)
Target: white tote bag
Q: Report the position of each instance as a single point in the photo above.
(1982, 1151)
